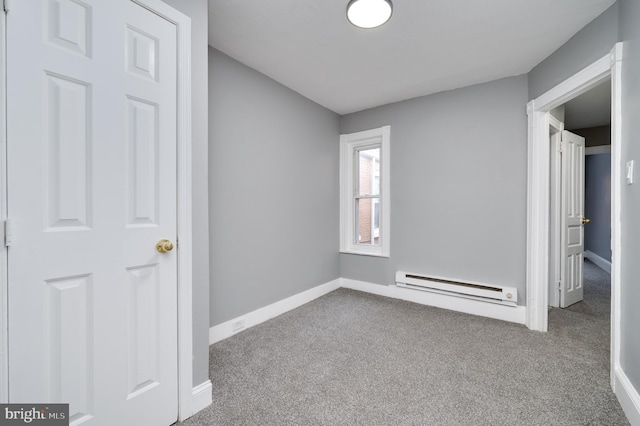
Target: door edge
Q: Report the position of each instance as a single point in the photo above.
(4, 291)
(184, 202)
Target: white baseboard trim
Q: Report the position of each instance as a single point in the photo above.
(598, 260)
(227, 329)
(236, 325)
(201, 396)
(515, 314)
(628, 396)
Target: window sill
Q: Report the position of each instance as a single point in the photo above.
(365, 253)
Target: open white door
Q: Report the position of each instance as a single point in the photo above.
(91, 153)
(571, 219)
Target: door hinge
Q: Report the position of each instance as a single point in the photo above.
(8, 232)
(559, 286)
(5, 6)
(561, 146)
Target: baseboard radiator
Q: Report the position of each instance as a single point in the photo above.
(471, 290)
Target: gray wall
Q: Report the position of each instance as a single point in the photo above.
(597, 205)
(588, 45)
(458, 185)
(273, 158)
(197, 11)
(630, 288)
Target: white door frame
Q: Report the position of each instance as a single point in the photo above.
(4, 338)
(538, 192)
(555, 130)
(184, 206)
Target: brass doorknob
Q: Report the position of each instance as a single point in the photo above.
(585, 220)
(164, 246)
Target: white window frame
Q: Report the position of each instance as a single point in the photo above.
(349, 145)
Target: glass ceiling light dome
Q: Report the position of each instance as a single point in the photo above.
(369, 13)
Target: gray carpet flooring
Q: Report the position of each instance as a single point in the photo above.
(351, 358)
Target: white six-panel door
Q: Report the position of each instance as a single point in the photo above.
(572, 213)
(91, 189)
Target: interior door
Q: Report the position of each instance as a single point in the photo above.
(91, 189)
(571, 219)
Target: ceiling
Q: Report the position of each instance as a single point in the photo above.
(428, 46)
(591, 109)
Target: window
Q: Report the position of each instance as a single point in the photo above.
(364, 192)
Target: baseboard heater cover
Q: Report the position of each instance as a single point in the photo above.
(468, 289)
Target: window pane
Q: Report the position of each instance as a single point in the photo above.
(367, 218)
(369, 171)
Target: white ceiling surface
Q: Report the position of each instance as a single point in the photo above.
(428, 46)
(591, 109)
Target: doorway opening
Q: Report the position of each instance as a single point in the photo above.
(539, 192)
(585, 188)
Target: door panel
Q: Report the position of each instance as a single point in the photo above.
(68, 146)
(70, 342)
(68, 25)
(91, 189)
(142, 168)
(572, 213)
(142, 329)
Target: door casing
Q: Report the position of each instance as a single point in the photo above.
(538, 191)
(555, 130)
(4, 338)
(184, 205)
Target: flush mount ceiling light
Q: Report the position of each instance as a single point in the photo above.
(369, 13)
